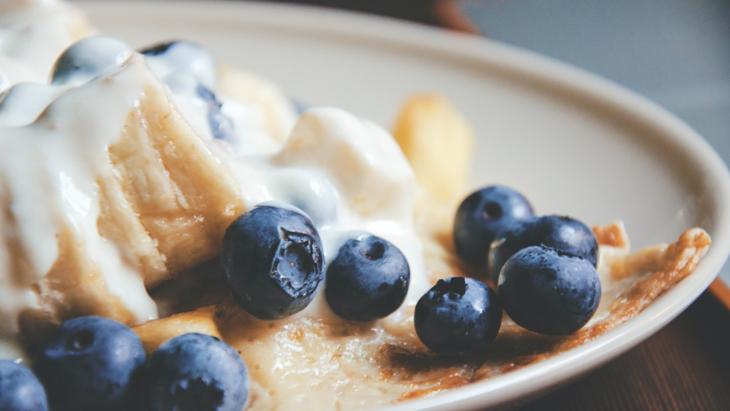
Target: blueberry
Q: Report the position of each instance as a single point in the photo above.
(181, 56)
(458, 315)
(549, 292)
(157, 49)
(220, 125)
(368, 279)
(90, 363)
(482, 217)
(89, 58)
(273, 261)
(189, 66)
(299, 105)
(562, 233)
(20, 390)
(196, 372)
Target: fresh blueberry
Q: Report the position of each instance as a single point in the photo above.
(157, 49)
(549, 292)
(90, 363)
(182, 56)
(189, 66)
(89, 58)
(299, 105)
(368, 279)
(220, 125)
(196, 372)
(482, 217)
(20, 390)
(562, 233)
(458, 315)
(273, 261)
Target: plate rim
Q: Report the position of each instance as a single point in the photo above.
(527, 66)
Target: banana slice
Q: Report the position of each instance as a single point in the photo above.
(438, 142)
(156, 332)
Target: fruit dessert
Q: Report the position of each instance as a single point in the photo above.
(176, 236)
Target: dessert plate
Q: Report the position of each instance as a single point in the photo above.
(573, 142)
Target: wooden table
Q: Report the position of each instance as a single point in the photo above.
(685, 366)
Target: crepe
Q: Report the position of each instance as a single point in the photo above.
(335, 364)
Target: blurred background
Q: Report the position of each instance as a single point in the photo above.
(675, 52)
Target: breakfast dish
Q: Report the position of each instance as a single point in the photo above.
(265, 258)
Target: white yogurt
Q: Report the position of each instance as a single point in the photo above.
(22, 103)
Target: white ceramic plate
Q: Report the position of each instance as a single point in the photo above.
(575, 143)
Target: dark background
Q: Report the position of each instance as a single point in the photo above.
(677, 53)
(422, 11)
